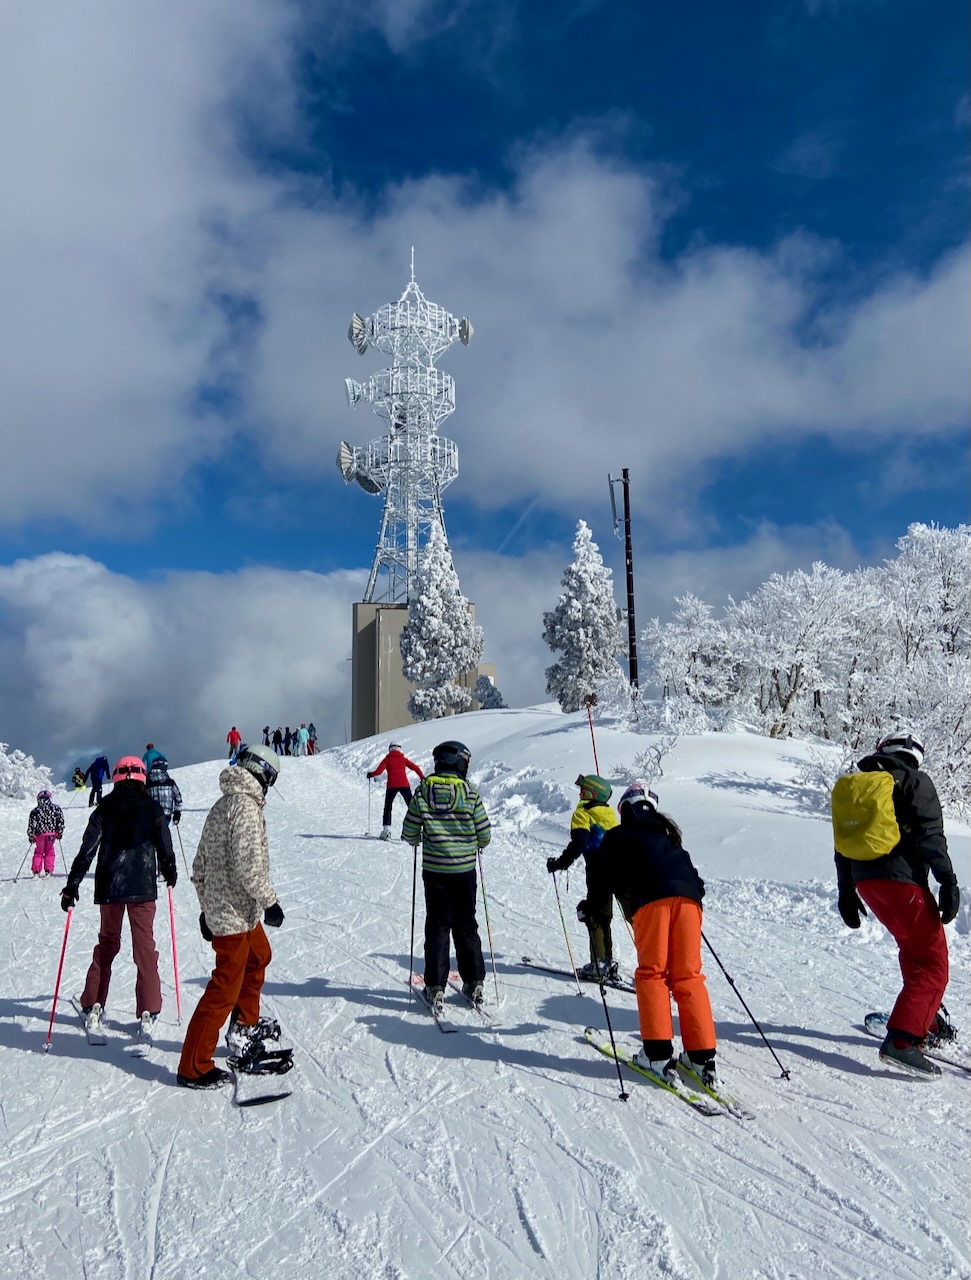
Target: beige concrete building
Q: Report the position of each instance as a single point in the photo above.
(379, 692)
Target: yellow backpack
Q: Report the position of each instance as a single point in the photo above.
(864, 822)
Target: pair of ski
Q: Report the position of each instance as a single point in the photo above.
(441, 1018)
(617, 984)
(702, 1098)
(96, 1033)
(875, 1024)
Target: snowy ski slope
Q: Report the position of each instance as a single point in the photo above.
(500, 1151)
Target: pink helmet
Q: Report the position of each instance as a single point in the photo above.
(128, 769)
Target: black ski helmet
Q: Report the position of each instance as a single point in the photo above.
(453, 757)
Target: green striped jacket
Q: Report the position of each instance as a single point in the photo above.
(448, 817)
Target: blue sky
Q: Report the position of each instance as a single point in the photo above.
(723, 246)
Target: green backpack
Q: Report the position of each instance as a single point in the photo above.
(864, 822)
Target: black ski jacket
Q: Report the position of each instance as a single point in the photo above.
(923, 845)
(638, 862)
(129, 834)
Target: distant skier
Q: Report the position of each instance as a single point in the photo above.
(397, 764)
(447, 816)
(96, 772)
(644, 865)
(300, 738)
(130, 837)
(44, 825)
(278, 740)
(591, 819)
(895, 888)
(78, 780)
(312, 735)
(287, 741)
(165, 790)
(152, 753)
(231, 873)
(234, 738)
(266, 735)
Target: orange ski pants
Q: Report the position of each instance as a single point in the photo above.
(236, 983)
(667, 934)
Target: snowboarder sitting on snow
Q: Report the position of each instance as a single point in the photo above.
(130, 836)
(895, 888)
(447, 816)
(644, 865)
(44, 825)
(78, 780)
(397, 765)
(231, 873)
(96, 773)
(165, 790)
(591, 818)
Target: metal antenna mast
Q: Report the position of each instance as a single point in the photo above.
(629, 558)
(412, 465)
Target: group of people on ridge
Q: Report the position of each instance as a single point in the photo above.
(635, 855)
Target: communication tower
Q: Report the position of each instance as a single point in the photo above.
(412, 464)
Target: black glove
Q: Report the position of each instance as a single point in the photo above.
(583, 911)
(557, 864)
(204, 928)
(69, 897)
(370, 776)
(850, 908)
(949, 899)
(172, 878)
(273, 916)
(176, 817)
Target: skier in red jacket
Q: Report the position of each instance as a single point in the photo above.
(397, 765)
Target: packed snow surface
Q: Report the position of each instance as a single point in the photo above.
(500, 1151)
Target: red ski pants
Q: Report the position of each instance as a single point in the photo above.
(667, 935)
(236, 983)
(910, 913)
(148, 989)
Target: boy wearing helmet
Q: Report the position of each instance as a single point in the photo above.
(592, 817)
(130, 836)
(447, 816)
(44, 825)
(397, 765)
(231, 873)
(643, 863)
(895, 888)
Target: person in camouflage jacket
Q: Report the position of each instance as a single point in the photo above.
(231, 874)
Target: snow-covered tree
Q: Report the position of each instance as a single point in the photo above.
(689, 658)
(487, 695)
(585, 626)
(20, 777)
(440, 641)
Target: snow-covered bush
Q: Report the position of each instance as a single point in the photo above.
(20, 777)
(440, 641)
(487, 695)
(585, 627)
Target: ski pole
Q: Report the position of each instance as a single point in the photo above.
(175, 960)
(411, 945)
(57, 984)
(21, 867)
(731, 982)
(368, 831)
(573, 963)
(610, 1031)
(591, 701)
(485, 907)
(63, 859)
(182, 847)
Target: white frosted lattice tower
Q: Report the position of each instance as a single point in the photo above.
(412, 464)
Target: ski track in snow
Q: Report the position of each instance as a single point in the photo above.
(503, 1150)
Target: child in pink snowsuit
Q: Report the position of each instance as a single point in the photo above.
(44, 826)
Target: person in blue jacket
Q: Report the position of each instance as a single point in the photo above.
(96, 773)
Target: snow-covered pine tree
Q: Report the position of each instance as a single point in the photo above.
(20, 777)
(487, 695)
(440, 641)
(585, 627)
